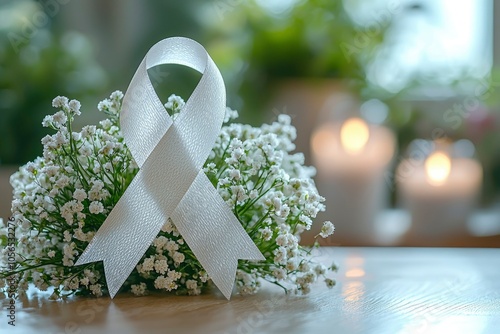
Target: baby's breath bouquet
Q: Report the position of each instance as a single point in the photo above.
(62, 198)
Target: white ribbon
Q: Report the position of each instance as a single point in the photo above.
(171, 182)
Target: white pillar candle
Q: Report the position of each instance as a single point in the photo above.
(440, 194)
(351, 159)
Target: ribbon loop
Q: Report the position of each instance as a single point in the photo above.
(170, 182)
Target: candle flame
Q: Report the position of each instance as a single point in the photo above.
(437, 167)
(354, 135)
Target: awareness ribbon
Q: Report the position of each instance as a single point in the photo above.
(171, 182)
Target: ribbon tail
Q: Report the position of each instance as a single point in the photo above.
(213, 233)
(121, 242)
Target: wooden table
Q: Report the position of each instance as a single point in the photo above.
(379, 290)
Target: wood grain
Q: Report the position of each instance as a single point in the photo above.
(379, 290)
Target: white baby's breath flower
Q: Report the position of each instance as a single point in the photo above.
(327, 229)
(175, 103)
(96, 207)
(280, 255)
(239, 193)
(178, 257)
(88, 131)
(79, 195)
(165, 283)
(47, 122)
(116, 96)
(266, 233)
(105, 106)
(320, 269)
(191, 284)
(161, 266)
(59, 119)
(67, 236)
(253, 194)
(235, 174)
(230, 115)
(171, 246)
(106, 124)
(203, 276)
(148, 264)
(160, 243)
(96, 290)
(330, 283)
(84, 281)
(304, 267)
(283, 240)
(139, 289)
(292, 264)
(61, 198)
(60, 102)
(168, 227)
(279, 273)
(75, 106)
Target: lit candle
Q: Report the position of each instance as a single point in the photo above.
(354, 135)
(437, 168)
(440, 194)
(351, 160)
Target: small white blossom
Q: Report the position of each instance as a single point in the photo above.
(292, 264)
(330, 283)
(59, 119)
(279, 273)
(239, 193)
(161, 266)
(60, 102)
(175, 103)
(165, 283)
(79, 195)
(253, 194)
(191, 284)
(171, 246)
(178, 257)
(85, 281)
(280, 255)
(230, 115)
(266, 233)
(75, 106)
(139, 289)
(327, 229)
(96, 290)
(235, 174)
(96, 207)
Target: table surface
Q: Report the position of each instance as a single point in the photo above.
(379, 290)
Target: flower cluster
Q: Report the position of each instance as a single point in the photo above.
(62, 198)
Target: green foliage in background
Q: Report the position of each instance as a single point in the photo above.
(311, 39)
(35, 66)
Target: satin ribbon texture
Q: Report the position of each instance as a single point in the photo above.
(171, 182)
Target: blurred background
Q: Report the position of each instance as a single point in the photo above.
(420, 77)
